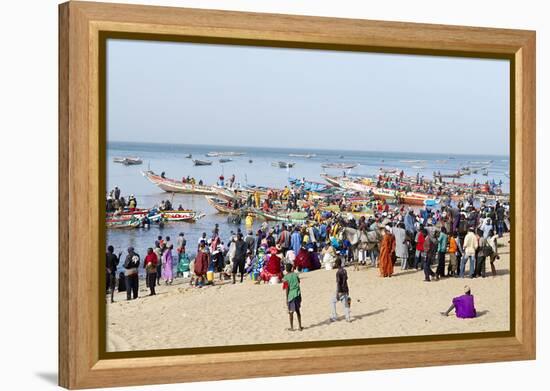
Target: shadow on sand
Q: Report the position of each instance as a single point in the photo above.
(340, 318)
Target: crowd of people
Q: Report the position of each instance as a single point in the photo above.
(452, 238)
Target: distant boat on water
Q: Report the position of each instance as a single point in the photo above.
(412, 161)
(304, 155)
(128, 161)
(197, 162)
(218, 154)
(282, 164)
(189, 156)
(225, 160)
(340, 166)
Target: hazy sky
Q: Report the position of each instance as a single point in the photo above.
(250, 96)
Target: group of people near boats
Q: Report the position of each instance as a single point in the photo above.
(453, 238)
(115, 202)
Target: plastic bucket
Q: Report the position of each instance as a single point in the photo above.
(274, 280)
(210, 276)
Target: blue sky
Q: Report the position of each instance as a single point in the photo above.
(251, 96)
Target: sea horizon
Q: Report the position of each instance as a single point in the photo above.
(122, 144)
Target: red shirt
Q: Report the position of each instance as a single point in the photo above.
(420, 243)
(273, 265)
(151, 258)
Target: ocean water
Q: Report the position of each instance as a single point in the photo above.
(171, 159)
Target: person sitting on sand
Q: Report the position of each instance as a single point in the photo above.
(463, 305)
(257, 265)
(342, 292)
(293, 296)
(273, 267)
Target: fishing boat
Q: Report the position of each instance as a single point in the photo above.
(128, 213)
(282, 164)
(419, 199)
(340, 166)
(128, 161)
(225, 160)
(333, 180)
(179, 215)
(198, 162)
(218, 154)
(189, 156)
(222, 206)
(226, 193)
(123, 223)
(291, 218)
(304, 155)
(174, 186)
(309, 185)
(388, 170)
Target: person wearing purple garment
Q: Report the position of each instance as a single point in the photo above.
(167, 265)
(463, 305)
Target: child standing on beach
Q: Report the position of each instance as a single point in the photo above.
(293, 295)
(342, 292)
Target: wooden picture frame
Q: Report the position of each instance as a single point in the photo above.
(82, 28)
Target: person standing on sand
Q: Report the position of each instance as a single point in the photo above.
(181, 243)
(150, 265)
(240, 257)
(463, 305)
(131, 265)
(387, 249)
(201, 265)
(420, 255)
(428, 272)
(470, 246)
(296, 240)
(493, 242)
(401, 245)
(293, 296)
(111, 266)
(453, 248)
(250, 242)
(167, 266)
(342, 292)
(158, 252)
(441, 251)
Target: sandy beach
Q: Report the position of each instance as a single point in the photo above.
(181, 316)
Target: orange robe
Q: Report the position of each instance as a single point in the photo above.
(385, 261)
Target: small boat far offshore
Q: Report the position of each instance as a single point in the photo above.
(340, 166)
(197, 162)
(282, 164)
(128, 161)
(304, 155)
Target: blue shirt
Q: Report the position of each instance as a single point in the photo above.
(296, 241)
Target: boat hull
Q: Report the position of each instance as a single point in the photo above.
(173, 186)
